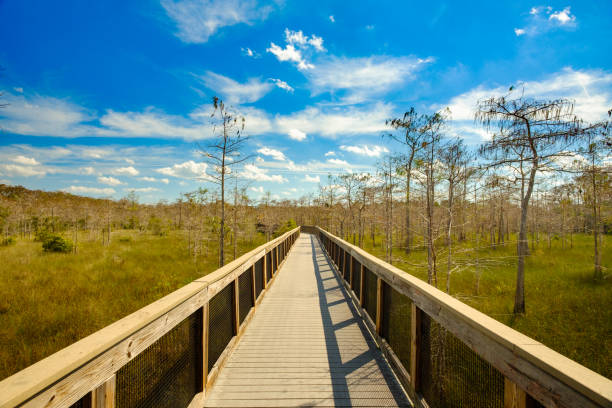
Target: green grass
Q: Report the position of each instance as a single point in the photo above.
(566, 309)
(50, 300)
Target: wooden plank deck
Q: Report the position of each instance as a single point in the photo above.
(306, 346)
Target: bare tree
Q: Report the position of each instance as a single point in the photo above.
(454, 157)
(529, 135)
(224, 154)
(412, 126)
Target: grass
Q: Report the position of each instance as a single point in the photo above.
(566, 309)
(50, 300)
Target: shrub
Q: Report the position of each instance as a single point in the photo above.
(55, 243)
(7, 241)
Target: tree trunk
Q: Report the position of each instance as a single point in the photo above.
(519, 298)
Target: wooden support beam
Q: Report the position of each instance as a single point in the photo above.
(514, 397)
(276, 259)
(361, 279)
(264, 270)
(236, 306)
(104, 395)
(350, 271)
(379, 299)
(204, 346)
(415, 346)
(254, 289)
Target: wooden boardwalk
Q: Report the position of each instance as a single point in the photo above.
(306, 346)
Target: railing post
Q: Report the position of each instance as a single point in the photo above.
(514, 396)
(236, 306)
(379, 299)
(264, 270)
(350, 271)
(104, 395)
(276, 258)
(254, 289)
(204, 346)
(361, 278)
(415, 347)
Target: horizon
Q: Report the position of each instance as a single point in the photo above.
(116, 98)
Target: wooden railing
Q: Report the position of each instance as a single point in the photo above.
(94, 371)
(456, 352)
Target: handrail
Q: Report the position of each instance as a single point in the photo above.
(69, 374)
(528, 366)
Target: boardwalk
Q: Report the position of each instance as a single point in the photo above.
(306, 346)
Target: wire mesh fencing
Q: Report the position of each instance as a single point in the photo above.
(259, 277)
(220, 323)
(369, 293)
(453, 375)
(396, 323)
(245, 294)
(168, 373)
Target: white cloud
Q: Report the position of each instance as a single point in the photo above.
(334, 121)
(129, 171)
(370, 27)
(20, 170)
(296, 44)
(142, 189)
(28, 161)
(88, 170)
(44, 116)
(188, 170)
(330, 153)
(198, 20)
(153, 179)
(543, 19)
(236, 92)
(365, 150)
(363, 78)
(151, 123)
(95, 153)
(275, 154)
(18, 89)
(312, 179)
(89, 190)
(249, 52)
(253, 172)
(297, 134)
(563, 17)
(332, 19)
(259, 189)
(282, 84)
(111, 181)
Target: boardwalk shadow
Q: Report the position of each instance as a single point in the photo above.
(367, 362)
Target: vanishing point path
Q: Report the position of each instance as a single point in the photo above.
(306, 345)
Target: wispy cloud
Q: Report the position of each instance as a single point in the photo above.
(253, 172)
(363, 78)
(235, 92)
(111, 181)
(365, 150)
(198, 20)
(544, 18)
(127, 171)
(275, 154)
(296, 134)
(312, 179)
(282, 84)
(188, 170)
(96, 191)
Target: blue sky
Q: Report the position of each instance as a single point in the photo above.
(112, 96)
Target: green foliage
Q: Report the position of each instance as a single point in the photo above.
(288, 226)
(55, 243)
(8, 241)
(157, 227)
